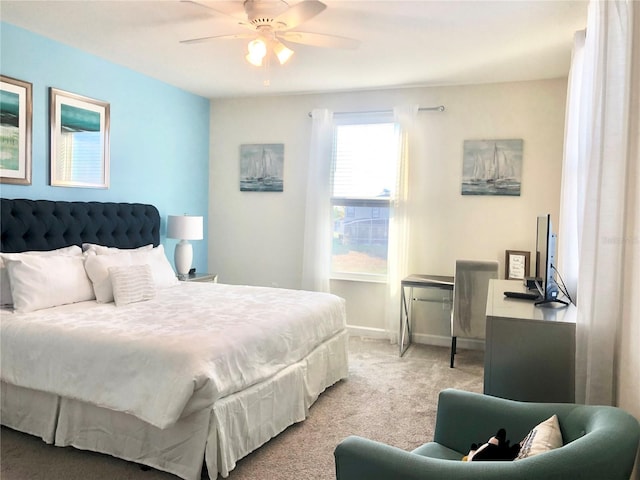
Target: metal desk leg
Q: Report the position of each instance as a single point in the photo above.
(405, 320)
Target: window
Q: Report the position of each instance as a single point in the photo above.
(365, 161)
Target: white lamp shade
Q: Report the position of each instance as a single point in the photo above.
(185, 227)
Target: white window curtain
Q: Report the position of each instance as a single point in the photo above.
(599, 210)
(399, 224)
(316, 261)
(573, 176)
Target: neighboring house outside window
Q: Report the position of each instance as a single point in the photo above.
(365, 161)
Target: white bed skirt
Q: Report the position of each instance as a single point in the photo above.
(234, 427)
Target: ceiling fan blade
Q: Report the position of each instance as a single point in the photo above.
(319, 40)
(298, 13)
(208, 6)
(234, 16)
(233, 36)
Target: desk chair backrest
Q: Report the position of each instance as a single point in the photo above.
(471, 284)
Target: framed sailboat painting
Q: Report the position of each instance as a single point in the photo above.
(492, 167)
(261, 167)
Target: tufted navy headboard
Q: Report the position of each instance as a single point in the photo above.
(47, 225)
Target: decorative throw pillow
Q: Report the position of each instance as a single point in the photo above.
(544, 437)
(5, 288)
(132, 284)
(39, 282)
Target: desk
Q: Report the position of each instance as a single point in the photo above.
(411, 282)
(529, 350)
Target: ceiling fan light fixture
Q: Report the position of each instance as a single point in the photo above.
(257, 51)
(273, 25)
(283, 53)
(256, 62)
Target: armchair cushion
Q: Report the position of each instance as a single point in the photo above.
(435, 450)
(464, 416)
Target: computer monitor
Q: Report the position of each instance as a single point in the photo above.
(545, 262)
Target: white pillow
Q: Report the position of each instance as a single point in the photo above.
(163, 274)
(132, 284)
(39, 282)
(544, 437)
(102, 250)
(5, 288)
(97, 267)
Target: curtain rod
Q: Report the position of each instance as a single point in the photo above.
(439, 108)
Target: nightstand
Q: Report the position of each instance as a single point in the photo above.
(199, 277)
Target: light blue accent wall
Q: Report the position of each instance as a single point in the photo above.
(159, 134)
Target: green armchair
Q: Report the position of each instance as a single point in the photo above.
(600, 443)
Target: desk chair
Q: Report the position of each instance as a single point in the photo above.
(470, 287)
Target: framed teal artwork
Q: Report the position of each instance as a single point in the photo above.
(79, 149)
(16, 111)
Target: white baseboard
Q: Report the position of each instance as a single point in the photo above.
(440, 341)
(367, 332)
(423, 338)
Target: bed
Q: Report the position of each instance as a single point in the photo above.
(185, 377)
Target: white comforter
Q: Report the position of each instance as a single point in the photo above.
(164, 358)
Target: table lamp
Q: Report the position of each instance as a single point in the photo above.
(184, 228)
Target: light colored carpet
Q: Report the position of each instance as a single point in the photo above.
(385, 398)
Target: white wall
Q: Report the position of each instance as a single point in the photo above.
(256, 238)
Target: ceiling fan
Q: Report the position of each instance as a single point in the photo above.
(272, 28)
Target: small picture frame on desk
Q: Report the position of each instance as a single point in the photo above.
(516, 264)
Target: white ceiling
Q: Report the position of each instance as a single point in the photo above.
(403, 43)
